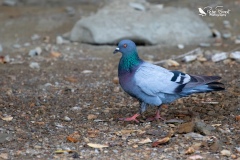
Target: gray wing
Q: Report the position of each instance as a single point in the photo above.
(152, 79)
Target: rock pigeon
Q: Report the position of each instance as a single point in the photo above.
(154, 85)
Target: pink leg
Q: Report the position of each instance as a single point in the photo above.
(133, 118)
(156, 117)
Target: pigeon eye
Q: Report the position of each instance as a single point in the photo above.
(125, 45)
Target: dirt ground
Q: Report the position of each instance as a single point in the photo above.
(69, 107)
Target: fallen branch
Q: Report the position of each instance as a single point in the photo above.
(180, 56)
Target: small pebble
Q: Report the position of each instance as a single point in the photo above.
(226, 34)
(190, 58)
(35, 52)
(59, 40)
(34, 65)
(116, 80)
(35, 37)
(226, 22)
(17, 46)
(137, 6)
(219, 57)
(67, 119)
(216, 33)
(70, 11)
(116, 89)
(204, 44)
(225, 153)
(172, 63)
(26, 44)
(87, 71)
(180, 46)
(76, 108)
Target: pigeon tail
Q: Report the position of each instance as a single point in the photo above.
(202, 84)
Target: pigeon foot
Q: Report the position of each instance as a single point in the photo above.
(156, 117)
(133, 118)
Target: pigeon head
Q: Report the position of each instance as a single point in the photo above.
(126, 47)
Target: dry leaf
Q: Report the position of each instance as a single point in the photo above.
(55, 54)
(40, 123)
(190, 150)
(144, 141)
(91, 116)
(127, 131)
(4, 156)
(71, 79)
(7, 118)
(93, 133)
(237, 118)
(74, 137)
(172, 63)
(161, 141)
(99, 146)
(71, 139)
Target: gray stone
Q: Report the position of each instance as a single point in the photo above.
(118, 20)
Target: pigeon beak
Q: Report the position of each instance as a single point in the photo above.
(116, 50)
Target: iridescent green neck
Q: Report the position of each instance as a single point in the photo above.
(129, 62)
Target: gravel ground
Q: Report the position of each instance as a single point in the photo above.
(66, 105)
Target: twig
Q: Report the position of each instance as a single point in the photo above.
(180, 56)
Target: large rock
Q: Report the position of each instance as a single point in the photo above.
(141, 22)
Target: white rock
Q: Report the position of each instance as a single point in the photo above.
(60, 40)
(66, 118)
(7, 58)
(26, 44)
(76, 108)
(137, 6)
(35, 52)
(35, 37)
(226, 153)
(17, 46)
(219, 57)
(195, 136)
(87, 71)
(190, 58)
(235, 55)
(34, 65)
(237, 41)
(70, 11)
(180, 46)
